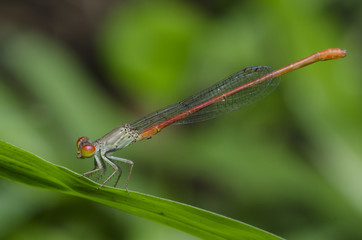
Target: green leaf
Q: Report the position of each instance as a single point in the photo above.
(21, 166)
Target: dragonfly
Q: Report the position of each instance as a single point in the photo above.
(236, 91)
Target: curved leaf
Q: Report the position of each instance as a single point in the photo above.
(24, 167)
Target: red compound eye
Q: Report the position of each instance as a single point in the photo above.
(87, 151)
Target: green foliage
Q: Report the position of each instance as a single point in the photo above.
(290, 164)
(24, 167)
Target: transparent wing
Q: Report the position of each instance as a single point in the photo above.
(231, 103)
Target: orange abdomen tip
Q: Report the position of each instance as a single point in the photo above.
(332, 53)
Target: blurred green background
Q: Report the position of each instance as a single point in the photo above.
(290, 164)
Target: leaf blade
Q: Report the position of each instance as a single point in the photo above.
(21, 166)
